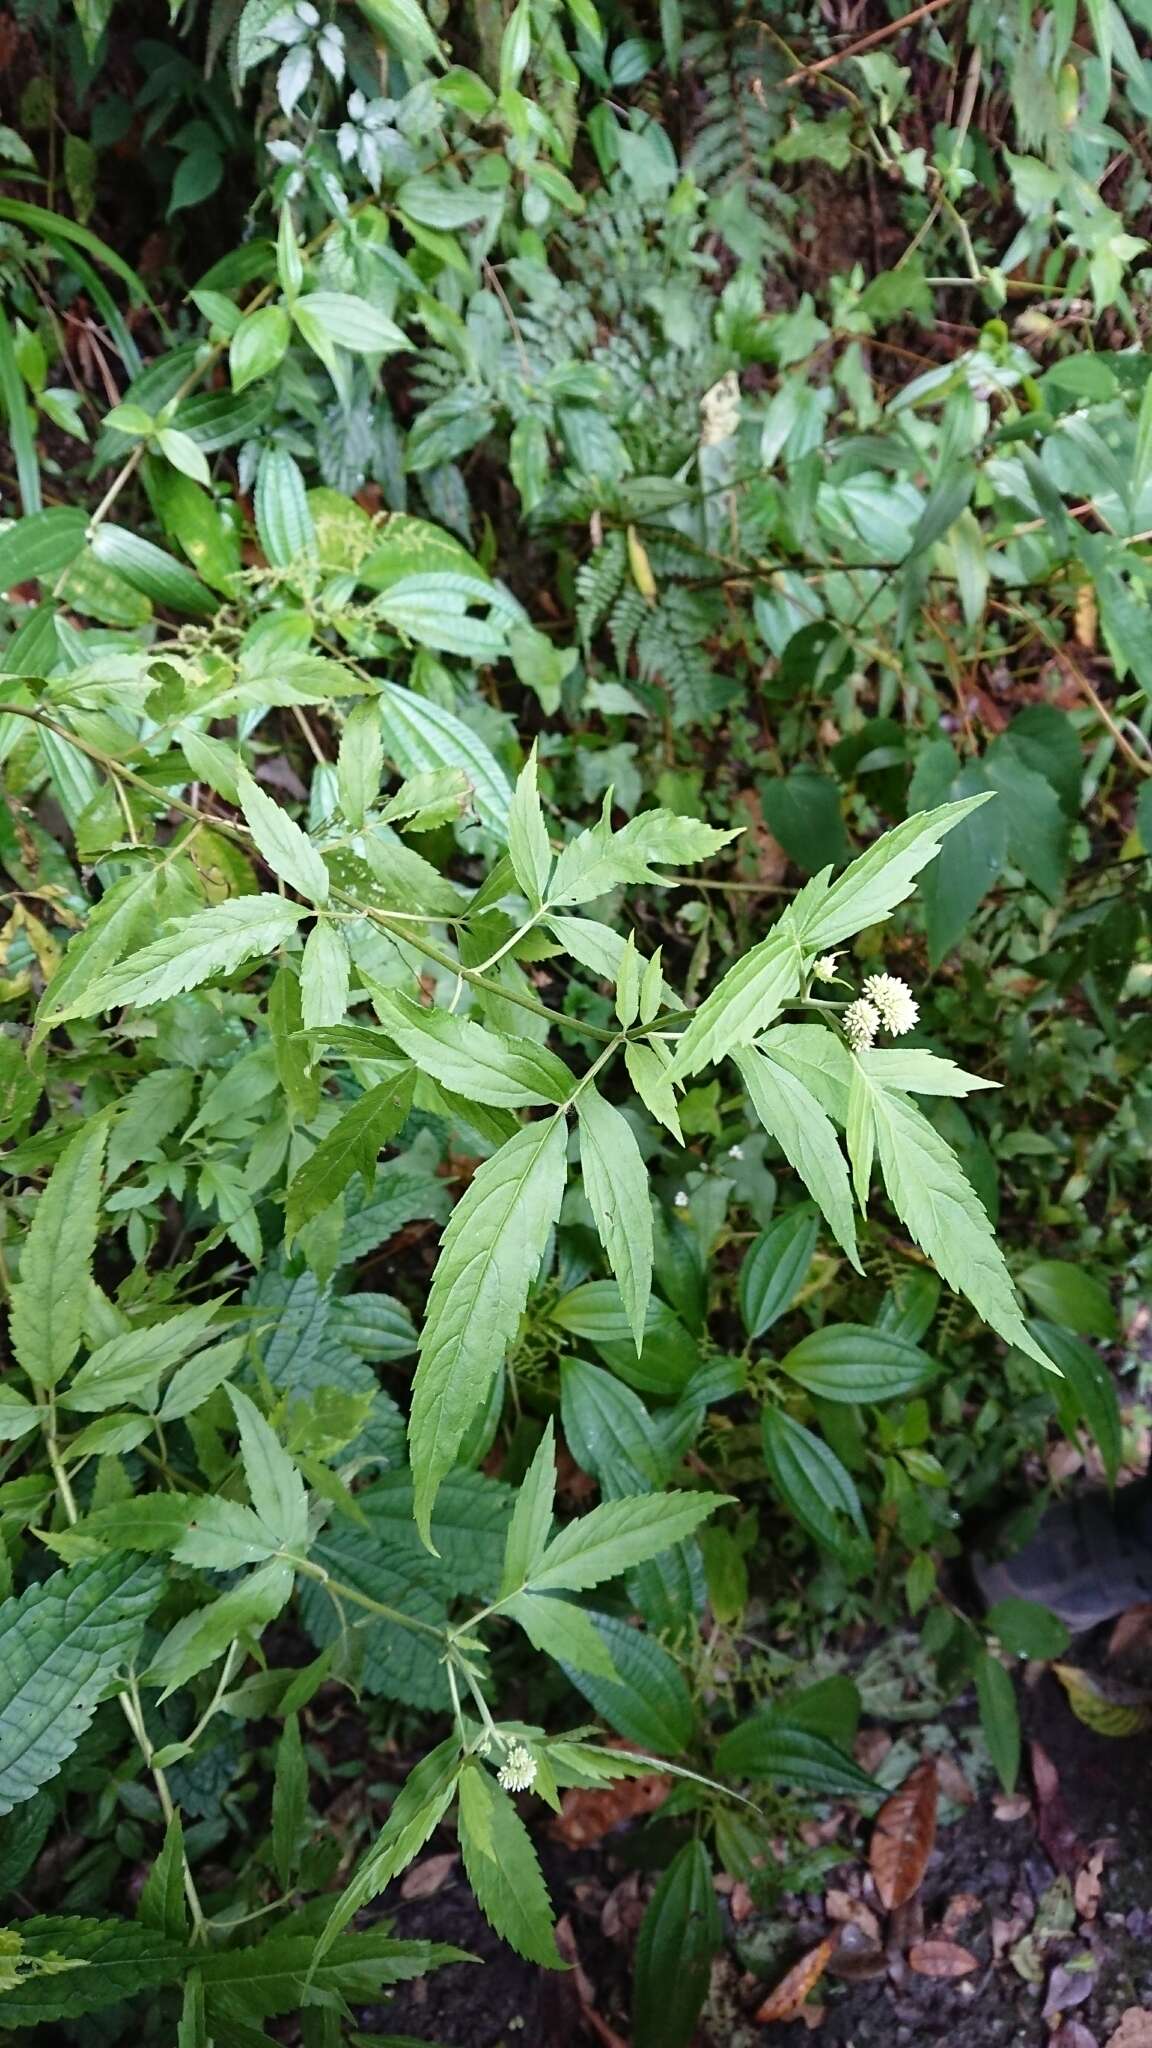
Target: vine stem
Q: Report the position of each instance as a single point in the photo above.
(340, 1591)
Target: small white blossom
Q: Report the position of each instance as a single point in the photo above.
(680, 1199)
(518, 1772)
(825, 968)
(861, 1022)
(735, 1151)
(899, 1010)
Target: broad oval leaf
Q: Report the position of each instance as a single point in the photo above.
(850, 1362)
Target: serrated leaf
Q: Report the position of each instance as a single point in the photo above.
(116, 923)
(60, 1643)
(351, 1146)
(913, 1072)
(873, 885)
(198, 1639)
(420, 735)
(528, 847)
(275, 1485)
(743, 1003)
(51, 1296)
(531, 1516)
(419, 1806)
(281, 1973)
(129, 1367)
(931, 1196)
(648, 1072)
(163, 1905)
(561, 1630)
(616, 1184)
(503, 1071)
(505, 1876)
(288, 851)
(289, 1802)
(618, 1535)
(222, 1535)
(117, 1960)
(360, 762)
(599, 859)
(488, 1258)
(192, 1382)
(805, 1135)
(213, 941)
(324, 976)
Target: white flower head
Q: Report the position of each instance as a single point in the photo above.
(518, 1772)
(899, 1010)
(861, 1022)
(825, 967)
(680, 1198)
(735, 1151)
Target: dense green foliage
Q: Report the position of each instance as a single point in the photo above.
(549, 699)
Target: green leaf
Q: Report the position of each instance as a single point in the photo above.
(805, 1135)
(61, 1641)
(184, 455)
(50, 1299)
(274, 1483)
(157, 575)
(348, 321)
(156, 1521)
(765, 1749)
(289, 1802)
(1025, 1629)
(288, 851)
(41, 545)
(217, 940)
(600, 859)
(360, 762)
(743, 1003)
(283, 1973)
(1067, 1294)
(324, 975)
(506, 1072)
(999, 1718)
(117, 1960)
(198, 1639)
(968, 865)
(646, 1699)
(679, 1936)
(258, 345)
(406, 25)
(351, 1146)
(119, 921)
(528, 847)
(489, 1257)
(561, 1630)
(420, 735)
(849, 1362)
(775, 1268)
(648, 1072)
(283, 520)
(19, 418)
(814, 1483)
(802, 810)
(163, 1905)
(129, 1367)
(531, 1517)
(616, 1184)
(503, 1872)
(618, 1535)
(1085, 1392)
(874, 884)
(913, 1072)
(200, 1376)
(931, 1196)
(17, 1415)
(419, 1806)
(222, 1535)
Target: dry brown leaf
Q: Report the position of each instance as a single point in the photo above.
(1073, 2035)
(953, 1784)
(1011, 1806)
(843, 1908)
(1134, 2031)
(425, 1879)
(941, 1959)
(870, 1749)
(959, 1909)
(788, 1999)
(1086, 1890)
(903, 1836)
(586, 1815)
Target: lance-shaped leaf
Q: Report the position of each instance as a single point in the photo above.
(874, 884)
(528, 847)
(288, 851)
(50, 1297)
(948, 1221)
(60, 1643)
(129, 1367)
(616, 1184)
(212, 941)
(750, 995)
(599, 859)
(274, 1483)
(505, 1072)
(351, 1146)
(502, 1869)
(422, 1801)
(807, 1138)
(531, 1517)
(618, 1535)
(490, 1253)
(83, 1965)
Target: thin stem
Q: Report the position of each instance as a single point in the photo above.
(358, 1599)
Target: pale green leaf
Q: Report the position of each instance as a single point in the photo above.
(618, 1535)
(351, 1146)
(616, 1184)
(274, 1483)
(50, 1298)
(561, 1631)
(532, 1515)
(129, 1367)
(215, 941)
(162, 1902)
(288, 851)
(741, 1005)
(504, 1072)
(505, 1876)
(881, 878)
(807, 1139)
(528, 847)
(360, 762)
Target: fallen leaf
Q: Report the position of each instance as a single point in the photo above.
(1133, 1631)
(741, 1905)
(790, 1995)
(870, 1749)
(903, 1836)
(566, 1943)
(941, 1959)
(1073, 2035)
(1053, 1824)
(1134, 2031)
(842, 1907)
(1068, 1986)
(1086, 1889)
(953, 1784)
(856, 1957)
(587, 1815)
(1005, 1934)
(1108, 1708)
(957, 1911)
(1011, 1806)
(424, 1880)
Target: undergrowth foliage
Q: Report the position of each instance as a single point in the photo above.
(389, 1030)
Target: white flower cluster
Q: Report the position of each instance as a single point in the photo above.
(825, 967)
(887, 1003)
(518, 1772)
